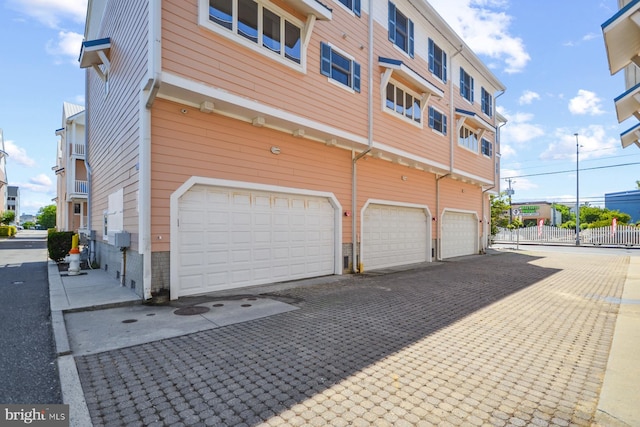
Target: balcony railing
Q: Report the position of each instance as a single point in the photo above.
(78, 150)
(81, 187)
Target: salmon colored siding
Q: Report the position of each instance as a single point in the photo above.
(199, 54)
(210, 145)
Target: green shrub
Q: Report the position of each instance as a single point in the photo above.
(8, 230)
(59, 244)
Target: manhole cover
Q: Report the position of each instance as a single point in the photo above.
(190, 311)
(218, 305)
(245, 305)
(129, 321)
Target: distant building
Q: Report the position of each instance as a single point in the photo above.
(13, 200)
(27, 218)
(3, 175)
(535, 211)
(624, 201)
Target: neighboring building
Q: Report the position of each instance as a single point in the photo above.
(622, 42)
(3, 175)
(13, 200)
(273, 141)
(71, 172)
(27, 218)
(533, 212)
(624, 201)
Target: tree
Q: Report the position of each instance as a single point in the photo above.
(47, 216)
(28, 225)
(498, 207)
(638, 184)
(564, 211)
(7, 217)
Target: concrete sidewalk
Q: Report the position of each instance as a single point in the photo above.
(82, 304)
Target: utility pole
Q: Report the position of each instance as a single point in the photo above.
(510, 193)
(577, 190)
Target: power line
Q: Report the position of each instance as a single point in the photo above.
(573, 170)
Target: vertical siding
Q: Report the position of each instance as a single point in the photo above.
(114, 119)
(210, 145)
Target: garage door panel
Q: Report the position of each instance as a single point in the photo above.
(245, 237)
(394, 235)
(459, 234)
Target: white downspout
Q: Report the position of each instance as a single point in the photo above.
(452, 134)
(92, 242)
(144, 183)
(354, 199)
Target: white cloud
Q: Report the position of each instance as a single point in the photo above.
(594, 142)
(519, 129)
(528, 97)
(517, 184)
(51, 12)
(18, 154)
(39, 184)
(484, 26)
(586, 102)
(67, 45)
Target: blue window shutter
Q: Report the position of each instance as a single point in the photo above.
(325, 59)
(444, 67)
(462, 91)
(410, 37)
(356, 77)
(431, 57)
(483, 104)
(392, 22)
(444, 124)
(356, 7)
(431, 118)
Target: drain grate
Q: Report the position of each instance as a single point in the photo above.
(245, 305)
(218, 305)
(190, 311)
(129, 321)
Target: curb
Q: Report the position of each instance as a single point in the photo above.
(72, 393)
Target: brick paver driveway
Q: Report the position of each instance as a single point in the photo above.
(501, 339)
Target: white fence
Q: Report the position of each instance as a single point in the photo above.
(622, 236)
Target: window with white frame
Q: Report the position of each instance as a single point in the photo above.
(338, 67)
(487, 103)
(437, 121)
(468, 139)
(404, 103)
(400, 30)
(352, 5)
(260, 26)
(466, 85)
(437, 61)
(487, 148)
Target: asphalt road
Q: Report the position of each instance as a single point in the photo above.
(28, 372)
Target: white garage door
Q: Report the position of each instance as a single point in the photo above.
(394, 235)
(459, 234)
(230, 238)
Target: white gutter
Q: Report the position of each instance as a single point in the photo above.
(454, 127)
(354, 202)
(92, 243)
(147, 95)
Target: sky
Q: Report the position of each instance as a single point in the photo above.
(549, 54)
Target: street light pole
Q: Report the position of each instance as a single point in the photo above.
(577, 191)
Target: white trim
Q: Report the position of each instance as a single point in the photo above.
(399, 204)
(345, 8)
(199, 180)
(413, 93)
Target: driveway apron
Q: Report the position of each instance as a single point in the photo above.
(503, 339)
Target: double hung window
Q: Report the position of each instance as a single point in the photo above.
(352, 5)
(404, 103)
(437, 121)
(339, 67)
(466, 85)
(400, 30)
(437, 61)
(487, 148)
(487, 103)
(468, 139)
(266, 28)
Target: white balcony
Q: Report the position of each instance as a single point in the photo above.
(77, 150)
(81, 187)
